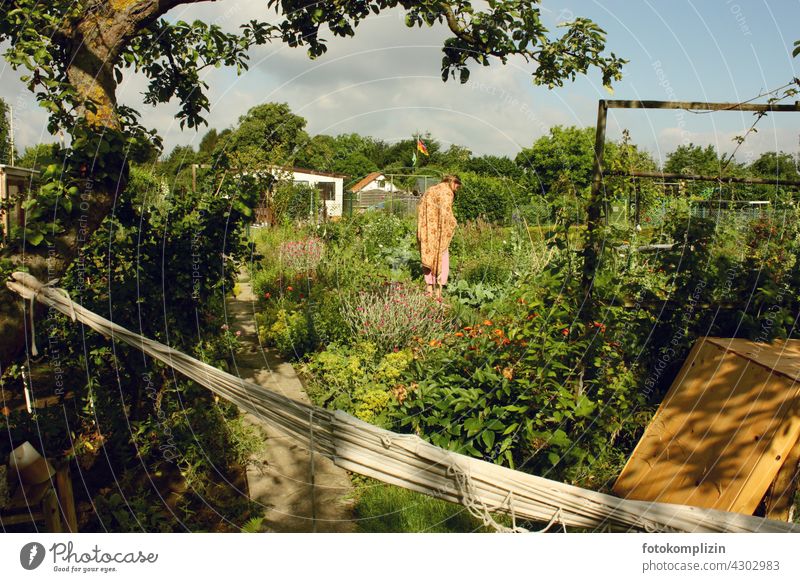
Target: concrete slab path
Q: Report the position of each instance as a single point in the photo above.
(300, 491)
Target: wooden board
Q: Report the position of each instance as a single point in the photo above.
(724, 429)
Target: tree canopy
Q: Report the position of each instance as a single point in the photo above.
(268, 134)
(5, 134)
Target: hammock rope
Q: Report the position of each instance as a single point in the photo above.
(410, 462)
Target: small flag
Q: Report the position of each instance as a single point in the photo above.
(421, 147)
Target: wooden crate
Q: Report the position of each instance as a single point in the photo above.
(724, 431)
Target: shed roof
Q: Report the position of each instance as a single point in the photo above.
(361, 184)
(17, 172)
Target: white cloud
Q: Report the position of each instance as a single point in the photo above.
(385, 82)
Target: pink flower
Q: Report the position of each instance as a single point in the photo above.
(224, 327)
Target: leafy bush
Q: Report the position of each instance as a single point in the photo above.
(487, 269)
(330, 325)
(358, 379)
(475, 295)
(290, 332)
(294, 202)
(491, 198)
(161, 264)
(379, 231)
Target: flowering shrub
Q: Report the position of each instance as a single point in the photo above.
(301, 256)
(358, 379)
(392, 315)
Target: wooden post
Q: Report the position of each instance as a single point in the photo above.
(780, 497)
(52, 517)
(591, 250)
(66, 497)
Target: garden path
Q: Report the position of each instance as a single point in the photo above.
(300, 492)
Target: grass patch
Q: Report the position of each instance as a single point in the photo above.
(382, 508)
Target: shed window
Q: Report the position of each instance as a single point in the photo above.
(327, 190)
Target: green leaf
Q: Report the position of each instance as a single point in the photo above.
(488, 438)
(34, 238)
(473, 425)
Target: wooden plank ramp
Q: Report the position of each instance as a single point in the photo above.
(724, 430)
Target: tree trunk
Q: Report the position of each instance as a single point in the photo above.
(95, 44)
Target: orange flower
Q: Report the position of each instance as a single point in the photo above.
(498, 332)
(506, 341)
(290, 288)
(508, 373)
(458, 334)
(487, 322)
(565, 331)
(468, 328)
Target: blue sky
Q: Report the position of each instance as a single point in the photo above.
(385, 82)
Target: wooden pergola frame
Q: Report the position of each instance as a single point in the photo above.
(593, 246)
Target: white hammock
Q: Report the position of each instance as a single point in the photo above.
(408, 461)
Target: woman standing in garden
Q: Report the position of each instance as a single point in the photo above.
(435, 227)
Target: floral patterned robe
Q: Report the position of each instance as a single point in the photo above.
(436, 225)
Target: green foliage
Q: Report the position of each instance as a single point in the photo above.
(497, 166)
(565, 155)
(269, 134)
(350, 154)
(39, 156)
(358, 379)
(494, 199)
(694, 159)
(776, 165)
(176, 168)
(294, 202)
(529, 390)
(290, 332)
(5, 134)
(149, 268)
(382, 508)
(502, 30)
